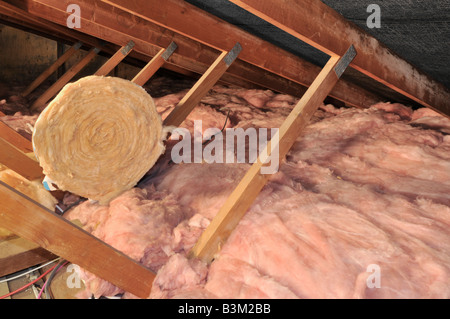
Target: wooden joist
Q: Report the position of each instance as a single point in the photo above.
(115, 59)
(320, 26)
(18, 161)
(20, 15)
(202, 86)
(51, 69)
(17, 254)
(179, 16)
(31, 221)
(115, 25)
(14, 138)
(252, 183)
(155, 63)
(58, 85)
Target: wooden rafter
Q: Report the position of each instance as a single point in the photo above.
(155, 63)
(304, 19)
(19, 14)
(252, 183)
(150, 38)
(52, 68)
(14, 138)
(113, 24)
(29, 220)
(58, 85)
(18, 253)
(18, 161)
(201, 87)
(209, 30)
(112, 62)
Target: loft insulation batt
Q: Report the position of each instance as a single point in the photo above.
(360, 188)
(98, 137)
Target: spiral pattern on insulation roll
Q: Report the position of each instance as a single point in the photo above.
(98, 137)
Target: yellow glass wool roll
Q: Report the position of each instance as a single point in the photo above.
(98, 137)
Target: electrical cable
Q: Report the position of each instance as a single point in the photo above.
(221, 131)
(47, 283)
(30, 271)
(29, 284)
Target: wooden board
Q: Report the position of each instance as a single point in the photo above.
(19, 162)
(155, 63)
(58, 85)
(14, 138)
(51, 69)
(242, 197)
(201, 87)
(33, 222)
(62, 32)
(112, 62)
(178, 16)
(17, 254)
(304, 19)
(115, 25)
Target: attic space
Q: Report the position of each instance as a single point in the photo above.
(224, 150)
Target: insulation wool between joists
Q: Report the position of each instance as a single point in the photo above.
(98, 137)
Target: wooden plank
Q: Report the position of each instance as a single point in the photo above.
(19, 162)
(17, 254)
(101, 20)
(58, 85)
(50, 70)
(113, 24)
(19, 14)
(201, 87)
(178, 16)
(252, 183)
(115, 59)
(14, 138)
(158, 60)
(333, 35)
(2, 114)
(31, 221)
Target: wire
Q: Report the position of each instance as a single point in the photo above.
(224, 125)
(30, 271)
(61, 264)
(29, 284)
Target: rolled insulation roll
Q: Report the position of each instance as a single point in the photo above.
(98, 137)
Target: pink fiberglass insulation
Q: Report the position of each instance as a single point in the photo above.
(361, 188)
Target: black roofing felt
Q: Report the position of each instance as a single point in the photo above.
(418, 31)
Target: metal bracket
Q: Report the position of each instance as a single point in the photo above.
(170, 49)
(345, 61)
(126, 49)
(78, 45)
(232, 55)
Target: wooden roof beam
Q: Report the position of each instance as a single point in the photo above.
(322, 27)
(16, 160)
(42, 23)
(115, 25)
(248, 189)
(192, 22)
(28, 219)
